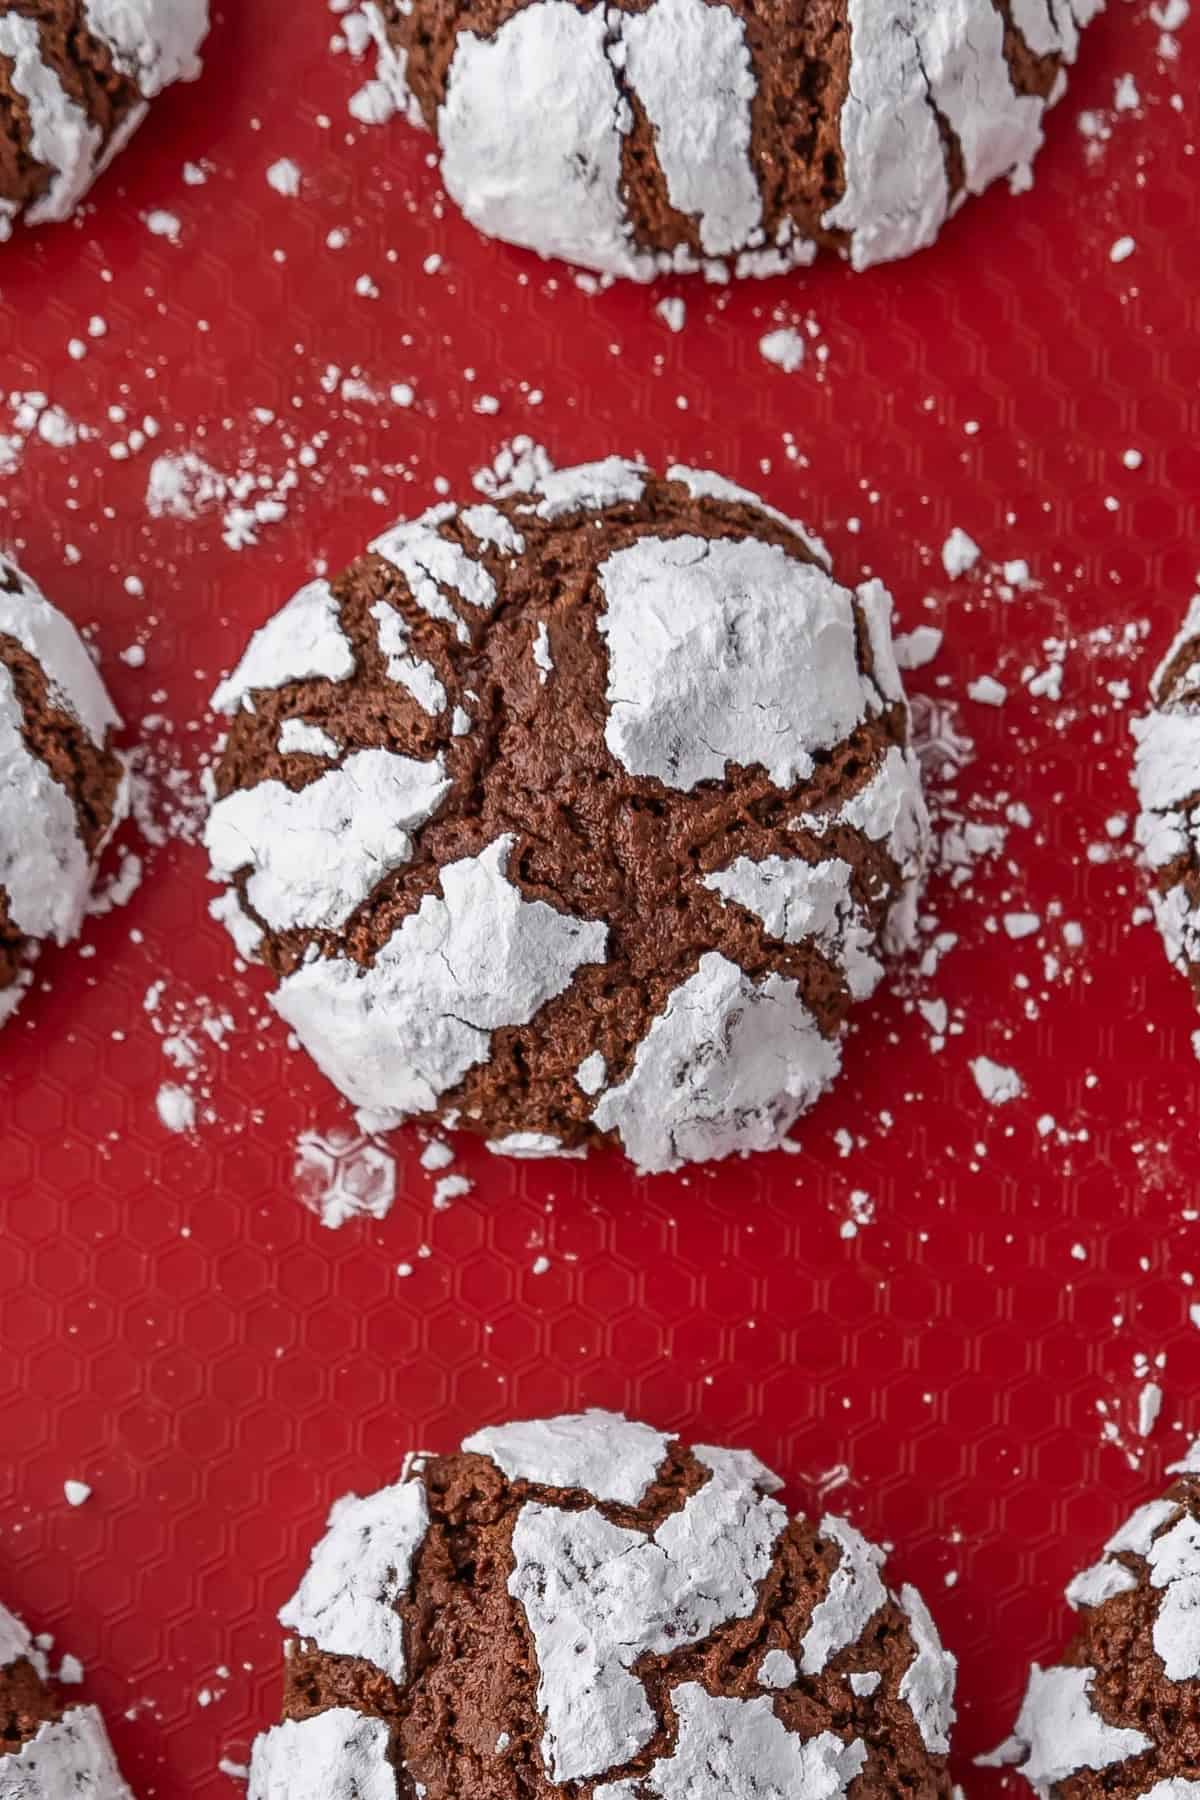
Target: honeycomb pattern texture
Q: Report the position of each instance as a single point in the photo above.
(918, 1316)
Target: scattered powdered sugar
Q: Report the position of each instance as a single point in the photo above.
(340, 1175)
(997, 1083)
(785, 348)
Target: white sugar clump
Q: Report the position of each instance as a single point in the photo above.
(302, 642)
(927, 1685)
(153, 42)
(68, 1756)
(728, 1065)
(45, 869)
(535, 119)
(740, 1750)
(1166, 775)
(1059, 1732)
(597, 1596)
(316, 854)
(777, 1669)
(1174, 1562)
(340, 1754)
(16, 1643)
(297, 737)
(802, 902)
(395, 1036)
(726, 651)
(411, 672)
(853, 1597)
(612, 1457)
(346, 1603)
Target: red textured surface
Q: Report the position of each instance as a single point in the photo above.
(178, 1331)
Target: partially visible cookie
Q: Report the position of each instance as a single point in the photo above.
(76, 77)
(586, 1607)
(1167, 778)
(583, 816)
(50, 1748)
(1119, 1716)
(62, 784)
(655, 136)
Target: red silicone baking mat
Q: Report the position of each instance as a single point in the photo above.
(948, 1317)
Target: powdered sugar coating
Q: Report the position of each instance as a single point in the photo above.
(302, 641)
(728, 1065)
(799, 901)
(597, 1596)
(315, 854)
(395, 1036)
(16, 1643)
(70, 1756)
(1166, 775)
(913, 65)
(688, 63)
(45, 866)
(777, 1669)
(1059, 1732)
(740, 1750)
(612, 1457)
(152, 42)
(336, 1755)
(361, 1567)
(927, 1685)
(725, 651)
(853, 1597)
(534, 122)
(685, 651)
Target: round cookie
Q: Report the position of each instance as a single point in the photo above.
(62, 785)
(1119, 1717)
(1167, 779)
(582, 816)
(585, 1606)
(49, 1749)
(672, 135)
(76, 77)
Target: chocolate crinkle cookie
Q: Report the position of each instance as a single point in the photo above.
(76, 77)
(50, 1748)
(585, 815)
(668, 135)
(582, 1606)
(1119, 1717)
(1167, 779)
(62, 785)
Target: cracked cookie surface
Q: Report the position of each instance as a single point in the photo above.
(49, 1747)
(584, 1605)
(76, 77)
(62, 785)
(586, 815)
(651, 136)
(1119, 1716)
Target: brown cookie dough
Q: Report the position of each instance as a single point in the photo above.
(50, 1746)
(1120, 1715)
(669, 135)
(586, 815)
(75, 80)
(585, 1606)
(62, 784)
